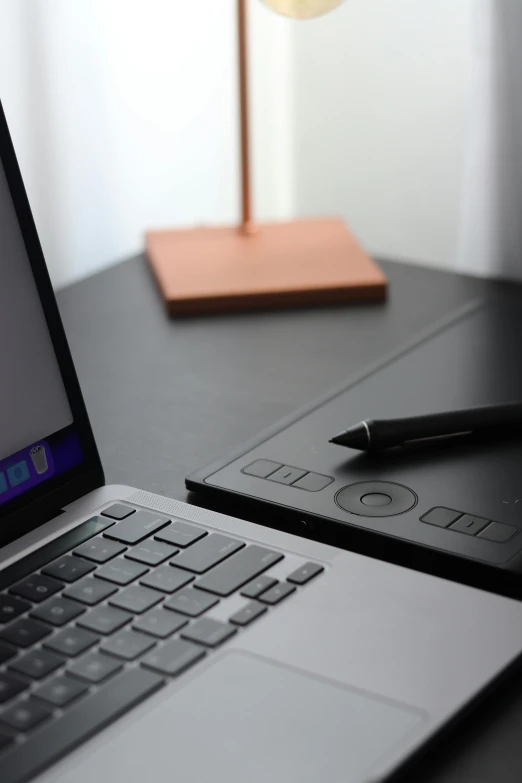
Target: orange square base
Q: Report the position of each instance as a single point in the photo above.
(301, 263)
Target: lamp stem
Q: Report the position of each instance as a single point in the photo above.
(247, 226)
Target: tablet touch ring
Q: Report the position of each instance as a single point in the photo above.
(376, 499)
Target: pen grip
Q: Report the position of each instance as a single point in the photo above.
(489, 418)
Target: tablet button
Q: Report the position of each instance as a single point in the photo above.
(442, 517)
(313, 482)
(262, 468)
(498, 532)
(287, 475)
(376, 499)
(469, 525)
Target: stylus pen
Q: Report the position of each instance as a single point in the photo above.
(379, 434)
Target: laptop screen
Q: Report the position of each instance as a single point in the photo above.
(38, 438)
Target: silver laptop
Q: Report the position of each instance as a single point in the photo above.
(142, 638)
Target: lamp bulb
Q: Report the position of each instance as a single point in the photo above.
(302, 9)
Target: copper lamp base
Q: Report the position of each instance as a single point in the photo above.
(300, 263)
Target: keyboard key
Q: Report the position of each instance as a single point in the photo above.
(191, 602)
(140, 525)
(105, 619)
(136, 599)
(248, 613)
(69, 568)
(128, 645)
(90, 591)
(258, 586)
(25, 715)
(6, 652)
(239, 570)
(71, 642)
(167, 579)
(207, 553)
(174, 657)
(160, 623)
(82, 720)
(39, 558)
(58, 611)
(152, 552)
(303, 575)
(121, 571)
(100, 549)
(37, 588)
(9, 687)
(209, 632)
(277, 593)
(5, 740)
(24, 633)
(60, 691)
(36, 664)
(181, 534)
(118, 511)
(94, 667)
(11, 607)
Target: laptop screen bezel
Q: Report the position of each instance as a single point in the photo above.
(26, 512)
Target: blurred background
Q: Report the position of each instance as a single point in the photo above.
(403, 116)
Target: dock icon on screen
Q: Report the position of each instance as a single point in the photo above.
(18, 473)
(39, 459)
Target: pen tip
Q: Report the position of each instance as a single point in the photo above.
(338, 439)
(353, 438)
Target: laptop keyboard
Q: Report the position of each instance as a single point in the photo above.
(99, 619)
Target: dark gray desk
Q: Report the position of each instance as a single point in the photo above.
(166, 397)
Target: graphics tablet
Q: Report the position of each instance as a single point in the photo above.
(454, 510)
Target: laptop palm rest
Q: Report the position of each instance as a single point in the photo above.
(246, 718)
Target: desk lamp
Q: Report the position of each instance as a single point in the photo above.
(258, 265)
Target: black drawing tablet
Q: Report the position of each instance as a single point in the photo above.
(454, 510)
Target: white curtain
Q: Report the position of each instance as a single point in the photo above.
(491, 241)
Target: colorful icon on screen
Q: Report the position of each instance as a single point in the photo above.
(18, 473)
(3, 484)
(39, 459)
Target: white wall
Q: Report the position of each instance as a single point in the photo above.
(124, 116)
(383, 108)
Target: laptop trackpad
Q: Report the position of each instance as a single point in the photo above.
(251, 719)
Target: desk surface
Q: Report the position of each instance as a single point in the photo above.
(166, 397)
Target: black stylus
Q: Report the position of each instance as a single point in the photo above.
(378, 434)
